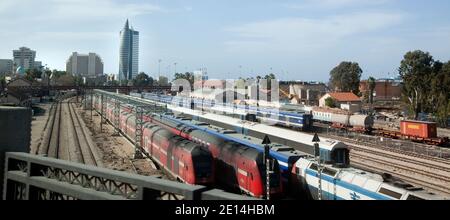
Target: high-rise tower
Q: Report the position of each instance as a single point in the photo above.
(129, 53)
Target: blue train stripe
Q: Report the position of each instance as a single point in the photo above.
(274, 154)
(349, 186)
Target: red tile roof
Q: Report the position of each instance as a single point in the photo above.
(345, 96)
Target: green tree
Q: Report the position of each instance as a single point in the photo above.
(56, 73)
(33, 74)
(346, 77)
(143, 79)
(124, 82)
(2, 83)
(187, 76)
(440, 100)
(65, 80)
(330, 102)
(78, 80)
(372, 84)
(417, 70)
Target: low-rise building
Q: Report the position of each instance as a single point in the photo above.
(385, 89)
(342, 100)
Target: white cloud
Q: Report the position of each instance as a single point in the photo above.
(62, 10)
(292, 34)
(102, 8)
(333, 4)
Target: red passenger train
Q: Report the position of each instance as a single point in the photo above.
(238, 168)
(185, 160)
(235, 167)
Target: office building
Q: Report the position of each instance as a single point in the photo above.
(85, 65)
(24, 57)
(129, 53)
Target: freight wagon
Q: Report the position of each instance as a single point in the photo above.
(417, 131)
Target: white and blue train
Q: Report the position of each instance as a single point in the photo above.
(353, 184)
(293, 119)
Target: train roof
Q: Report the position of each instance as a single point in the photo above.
(419, 122)
(182, 142)
(330, 110)
(370, 181)
(393, 182)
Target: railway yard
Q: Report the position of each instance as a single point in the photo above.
(68, 130)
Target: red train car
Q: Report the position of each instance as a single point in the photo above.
(421, 129)
(238, 168)
(183, 159)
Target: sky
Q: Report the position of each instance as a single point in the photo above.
(297, 40)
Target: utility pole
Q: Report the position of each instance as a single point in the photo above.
(266, 142)
(102, 112)
(316, 141)
(92, 103)
(138, 132)
(175, 64)
(159, 68)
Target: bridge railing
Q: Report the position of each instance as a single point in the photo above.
(33, 177)
(128, 88)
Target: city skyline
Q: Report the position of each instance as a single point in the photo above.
(298, 40)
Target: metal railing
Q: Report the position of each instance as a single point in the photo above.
(33, 177)
(128, 88)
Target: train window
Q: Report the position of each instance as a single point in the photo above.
(413, 197)
(314, 167)
(329, 172)
(390, 193)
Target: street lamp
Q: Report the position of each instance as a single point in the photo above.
(159, 68)
(266, 142)
(175, 64)
(316, 141)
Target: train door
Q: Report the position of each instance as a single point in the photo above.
(243, 175)
(170, 154)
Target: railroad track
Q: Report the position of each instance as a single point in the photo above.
(388, 151)
(50, 144)
(83, 142)
(66, 137)
(418, 150)
(444, 188)
(410, 170)
(405, 160)
(443, 164)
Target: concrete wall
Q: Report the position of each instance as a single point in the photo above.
(15, 133)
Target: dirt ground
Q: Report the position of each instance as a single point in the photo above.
(117, 152)
(38, 125)
(443, 132)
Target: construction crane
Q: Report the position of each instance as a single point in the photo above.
(290, 96)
